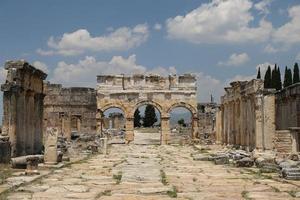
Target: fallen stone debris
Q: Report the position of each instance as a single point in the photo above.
(266, 161)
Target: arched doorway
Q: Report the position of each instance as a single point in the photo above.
(147, 123)
(181, 125)
(112, 122)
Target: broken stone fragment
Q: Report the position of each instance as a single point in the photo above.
(291, 173)
(245, 162)
(288, 164)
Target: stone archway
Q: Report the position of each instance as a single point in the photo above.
(193, 110)
(130, 92)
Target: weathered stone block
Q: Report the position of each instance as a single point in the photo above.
(245, 162)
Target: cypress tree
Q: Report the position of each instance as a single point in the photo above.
(285, 82)
(268, 78)
(137, 118)
(258, 74)
(296, 78)
(150, 116)
(290, 77)
(279, 83)
(274, 77)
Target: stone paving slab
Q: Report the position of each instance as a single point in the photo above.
(151, 172)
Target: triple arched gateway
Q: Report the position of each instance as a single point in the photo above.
(130, 92)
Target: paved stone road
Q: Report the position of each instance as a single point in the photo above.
(153, 172)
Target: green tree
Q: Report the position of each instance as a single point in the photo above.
(137, 118)
(274, 77)
(258, 74)
(296, 78)
(268, 78)
(278, 82)
(150, 116)
(288, 78)
(181, 122)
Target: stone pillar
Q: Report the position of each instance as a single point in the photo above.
(269, 121)
(5, 121)
(99, 121)
(67, 126)
(129, 130)
(195, 128)
(12, 131)
(38, 122)
(242, 122)
(259, 126)
(50, 156)
(225, 125)
(30, 124)
(230, 139)
(165, 130)
(78, 124)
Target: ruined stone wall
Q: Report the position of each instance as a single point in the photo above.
(70, 109)
(23, 107)
(207, 117)
(288, 107)
(248, 115)
(130, 92)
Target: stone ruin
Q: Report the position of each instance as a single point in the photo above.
(207, 121)
(72, 110)
(247, 116)
(130, 92)
(256, 118)
(23, 108)
(264, 122)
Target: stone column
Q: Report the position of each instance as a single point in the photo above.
(78, 124)
(269, 121)
(195, 128)
(29, 115)
(50, 156)
(67, 126)
(165, 130)
(6, 113)
(12, 131)
(38, 122)
(259, 115)
(129, 135)
(230, 132)
(242, 122)
(99, 121)
(225, 124)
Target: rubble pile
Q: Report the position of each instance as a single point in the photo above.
(266, 161)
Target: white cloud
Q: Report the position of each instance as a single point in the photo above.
(45, 52)
(208, 85)
(85, 71)
(163, 71)
(289, 33)
(157, 26)
(80, 41)
(263, 6)
(219, 22)
(235, 60)
(42, 66)
(298, 57)
(239, 78)
(263, 67)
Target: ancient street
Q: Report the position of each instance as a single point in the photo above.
(138, 171)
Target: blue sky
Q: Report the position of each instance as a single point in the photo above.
(219, 40)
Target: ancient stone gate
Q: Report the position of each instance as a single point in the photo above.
(128, 93)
